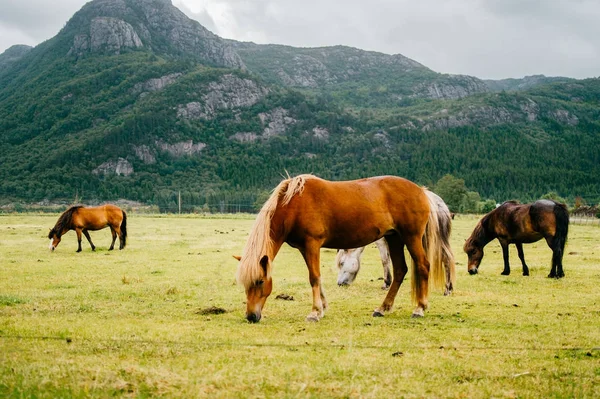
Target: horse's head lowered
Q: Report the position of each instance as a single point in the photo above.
(474, 245)
(348, 263)
(475, 254)
(54, 237)
(258, 289)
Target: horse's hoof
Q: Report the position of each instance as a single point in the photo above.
(417, 314)
(526, 274)
(551, 275)
(505, 273)
(377, 313)
(312, 318)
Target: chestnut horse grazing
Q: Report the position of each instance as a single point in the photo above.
(514, 223)
(348, 260)
(309, 213)
(83, 219)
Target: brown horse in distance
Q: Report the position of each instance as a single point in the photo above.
(310, 213)
(83, 219)
(514, 223)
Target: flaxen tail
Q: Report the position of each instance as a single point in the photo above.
(437, 246)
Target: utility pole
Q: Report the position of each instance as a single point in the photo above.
(179, 201)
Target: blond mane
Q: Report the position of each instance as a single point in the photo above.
(259, 241)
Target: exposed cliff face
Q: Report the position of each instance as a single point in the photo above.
(107, 34)
(452, 87)
(156, 84)
(112, 25)
(119, 167)
(229, 92)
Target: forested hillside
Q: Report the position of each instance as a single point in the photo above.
(132, 100)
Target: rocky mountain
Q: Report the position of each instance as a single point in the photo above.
(113, 26)
(339, 69)
(132, 99)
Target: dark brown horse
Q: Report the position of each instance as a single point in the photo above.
(310, 213)
(83, 219)
(514, 223)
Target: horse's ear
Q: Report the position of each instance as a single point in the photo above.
(237, 257)
(264, 263)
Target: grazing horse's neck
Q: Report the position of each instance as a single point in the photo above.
(484, 235)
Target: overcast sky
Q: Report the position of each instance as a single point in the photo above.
(485, 38)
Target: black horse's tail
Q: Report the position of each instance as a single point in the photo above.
(561, 215)
(124, 230)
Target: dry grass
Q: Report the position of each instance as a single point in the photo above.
(130, 323)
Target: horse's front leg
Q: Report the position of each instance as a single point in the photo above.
(87, 235)
(311, 256)
(400, 268)
(78, 232)
(522, 257)
(506, 270)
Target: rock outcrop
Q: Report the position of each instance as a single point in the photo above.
(276, 121)
(107, 34)
(182, 148)
(156, 84)
(229, 92)
(119, 167)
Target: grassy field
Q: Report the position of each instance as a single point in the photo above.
(133, 323)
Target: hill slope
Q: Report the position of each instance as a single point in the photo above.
(134, 100)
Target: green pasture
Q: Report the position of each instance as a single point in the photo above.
(142, 323)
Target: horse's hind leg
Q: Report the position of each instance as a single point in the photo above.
(420, 275)
(556, 270)
(384, 252)
(522, 257)
(119, 233)
(396, 248)
(87, 235)
(448, 269)
(114, 238)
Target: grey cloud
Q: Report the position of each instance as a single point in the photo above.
(485, 38)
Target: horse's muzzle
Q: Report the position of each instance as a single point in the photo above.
(253, 317)
(473, 271)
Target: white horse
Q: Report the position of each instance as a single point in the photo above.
(348, 260)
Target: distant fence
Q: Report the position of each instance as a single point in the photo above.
(217, 208)
(586, 221)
